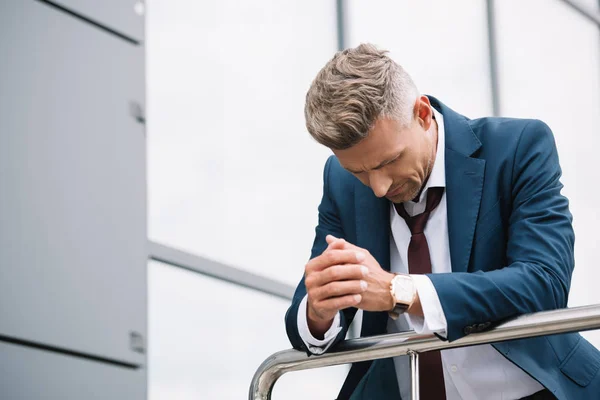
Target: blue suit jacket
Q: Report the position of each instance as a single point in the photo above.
(511, 247)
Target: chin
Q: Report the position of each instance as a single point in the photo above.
(410, 193)
(414, 193)
(400, 198)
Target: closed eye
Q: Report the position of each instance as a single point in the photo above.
(388, 162)
(381, 165)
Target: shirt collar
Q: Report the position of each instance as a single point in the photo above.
(437, 178)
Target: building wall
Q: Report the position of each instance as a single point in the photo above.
(73, 201)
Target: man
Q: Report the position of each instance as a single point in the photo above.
(433, 222)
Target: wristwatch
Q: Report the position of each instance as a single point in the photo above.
(402, 289)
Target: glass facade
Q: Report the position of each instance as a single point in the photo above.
(442, 45)
(549, 69)
(229, 156)
(208, 337)
(235, 177)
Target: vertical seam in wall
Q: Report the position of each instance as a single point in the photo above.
(493, 58)
(340, 13)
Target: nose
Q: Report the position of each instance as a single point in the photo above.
(379, 182)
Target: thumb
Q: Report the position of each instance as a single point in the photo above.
(338, 243)
(334, 243)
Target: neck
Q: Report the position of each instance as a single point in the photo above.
(433, 129)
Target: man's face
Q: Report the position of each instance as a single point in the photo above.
(395, 162)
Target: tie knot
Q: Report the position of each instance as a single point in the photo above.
(417, 223)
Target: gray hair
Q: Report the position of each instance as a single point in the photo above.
(355, 88)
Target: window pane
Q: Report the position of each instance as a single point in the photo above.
(208, 337)
(233, 174)
(550, 69)
(442, 45)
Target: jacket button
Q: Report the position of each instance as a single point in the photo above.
(482, 327)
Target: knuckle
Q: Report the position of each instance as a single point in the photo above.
(313, 294)
(308, 267)
(339, 304)
(335, 289)
(334, 273)
(332, 304)
(309, 281)
(351, 272)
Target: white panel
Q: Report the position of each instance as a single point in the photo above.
(233, 173)
(31, 374)
(591, 5)
(550, 69)
(208, 338)
(124, 16)
(72, 184)
(441, 44)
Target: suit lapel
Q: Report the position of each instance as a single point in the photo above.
(464, 184)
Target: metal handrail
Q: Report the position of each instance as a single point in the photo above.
(408, 343)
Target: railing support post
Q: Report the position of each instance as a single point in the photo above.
(414, 374)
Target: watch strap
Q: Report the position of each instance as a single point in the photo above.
(399, 308)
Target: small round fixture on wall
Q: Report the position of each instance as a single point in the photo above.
(139, 8)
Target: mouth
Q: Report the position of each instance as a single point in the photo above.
(395, 192)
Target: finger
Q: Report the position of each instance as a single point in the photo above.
(350, 246)
(362, 254)
(344, 244)
(346, 272)
(339, 303)
(338, 289)
(336, 273)
(336, 244)
(330, 238)
(334, 257)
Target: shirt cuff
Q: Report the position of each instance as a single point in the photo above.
(433, 319)
(316, 346)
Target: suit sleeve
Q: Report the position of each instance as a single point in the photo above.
(329, 223)
(539, 251)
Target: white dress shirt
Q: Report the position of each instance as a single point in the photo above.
(470, 373)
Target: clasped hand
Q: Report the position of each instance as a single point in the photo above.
(344, 276)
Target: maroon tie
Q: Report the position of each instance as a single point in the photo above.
(431, 383)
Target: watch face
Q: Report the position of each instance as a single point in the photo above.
(404, 289)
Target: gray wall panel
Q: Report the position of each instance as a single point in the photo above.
(30, 374)
(118, 15)
(72, 184)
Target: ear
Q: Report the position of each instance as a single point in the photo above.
(423, 112)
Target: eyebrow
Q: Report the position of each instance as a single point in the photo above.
(381, 164)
